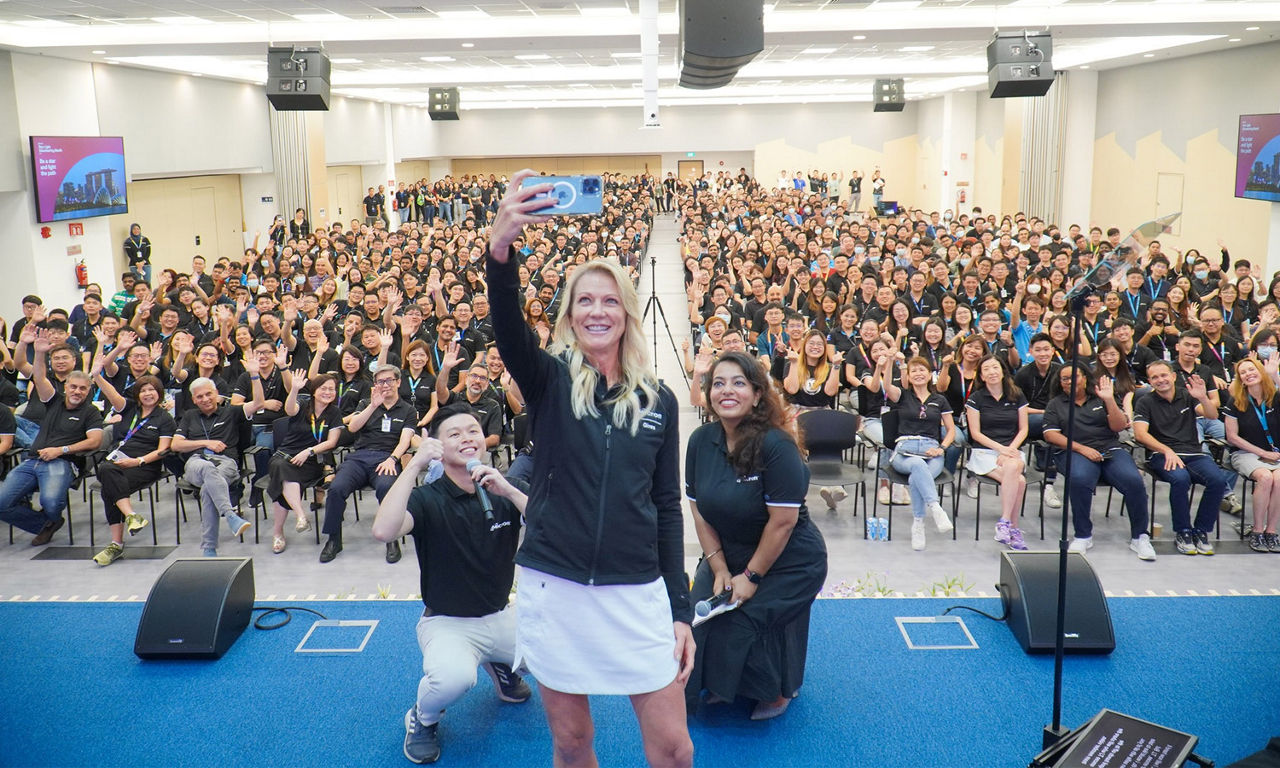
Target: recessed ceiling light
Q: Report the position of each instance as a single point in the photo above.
(859, 37)
(177, 20)
(472, 14)
(1233, 40)
(532, 56)
(346, 61)
(915, 48)
(319, 17)
(1084, 66)
(468, 45)
(99, 53)
(437, 59)
(1251, 29)
(1148, 55)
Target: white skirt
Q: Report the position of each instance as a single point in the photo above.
(982, 461)
(575, 638)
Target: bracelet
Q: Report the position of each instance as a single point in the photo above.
(255, 378)
(713, 554)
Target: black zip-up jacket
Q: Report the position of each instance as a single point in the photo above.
(604, 506)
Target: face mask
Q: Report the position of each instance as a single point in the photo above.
(902, 251)
(858, 249)
(299, 279)
(733, 227)
(964, 261)
(946, 216)
(1266, 352)
(915, 240)
(1202, 274)
(723, 317)
(252, 283)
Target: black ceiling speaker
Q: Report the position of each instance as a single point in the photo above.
(889, 95)
(442, 103)
(1020, 64)
(717, 38)
(298, 79)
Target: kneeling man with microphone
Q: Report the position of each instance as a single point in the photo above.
(465, 526)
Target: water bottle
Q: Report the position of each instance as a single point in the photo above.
(884, 528)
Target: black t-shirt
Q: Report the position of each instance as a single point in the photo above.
(1138, 358)
(352, 393)
(303, 355)
(1092, 428)
(66, 426)
(467, 562)
(958, 390)
(1221, 358)
(137, 436)
(305, 430)
(382, 431)
(921, 419)
(184, 402)
(998, 419)
(1250, 426)
(812, 392)
(869, 403)
(371, 205)
(1038, 389)
(8, 424)
(1172, 422)
(273, 388)
(1181, 375)
(486, 409)
(222, 424)
(418, 391)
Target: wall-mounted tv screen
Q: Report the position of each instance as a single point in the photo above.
(1258, 158)
(77, 177)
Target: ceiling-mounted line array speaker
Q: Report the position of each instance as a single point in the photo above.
(717, 38)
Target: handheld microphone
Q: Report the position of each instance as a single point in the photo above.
(703, 608)
(481, 492)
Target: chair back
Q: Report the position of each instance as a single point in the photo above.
(828, 433)
(889, 422)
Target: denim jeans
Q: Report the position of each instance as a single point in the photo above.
(50, 478)
(143, 271)
(26, 432)
(1035, 431)
(1119, 471)
(922, 472)
(1201, 470)
(951, 458)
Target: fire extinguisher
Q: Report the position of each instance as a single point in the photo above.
(82, 275)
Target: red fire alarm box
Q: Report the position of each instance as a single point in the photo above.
(75, 229)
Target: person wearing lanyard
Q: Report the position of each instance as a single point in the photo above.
(1253, 432)
(1136, 302)
(1164, 421)
(1037, 380)
(134, 463)
(1220, 350)
(311, 432)
(418, 384)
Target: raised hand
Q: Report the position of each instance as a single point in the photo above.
(252, 366)
(1105, 389)
(452, 356)
(29, 333)
(329, 312)
(1196, 387)
(385, 339)
(299, 380)
(184, 344)
(282, 356)
(99, 333)
(127, 339)
(394, 299)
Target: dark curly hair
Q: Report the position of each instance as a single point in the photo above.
(769, 414)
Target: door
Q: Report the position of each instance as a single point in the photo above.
(689, 170)
(346, 194)
(204, 223)
(1169, 197)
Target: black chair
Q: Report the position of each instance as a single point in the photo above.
(828, 435)
(889, 421)
(1033, 478)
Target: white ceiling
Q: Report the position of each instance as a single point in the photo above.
(519, 53)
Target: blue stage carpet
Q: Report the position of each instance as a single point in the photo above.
(73, 694)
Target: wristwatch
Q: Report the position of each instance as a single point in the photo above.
(752, 576)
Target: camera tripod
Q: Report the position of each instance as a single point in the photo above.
(655, 302)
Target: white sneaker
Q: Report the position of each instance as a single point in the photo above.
(917, 535)
(1142, 546)
(882, 495)
(900, 495)
(971, 488)
(1051, 498)
(832, 495)
(940, 517)
(1083, 545)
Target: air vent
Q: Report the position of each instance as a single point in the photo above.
(405, 10)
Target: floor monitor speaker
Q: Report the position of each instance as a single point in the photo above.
(1029, 590)
(197, 609)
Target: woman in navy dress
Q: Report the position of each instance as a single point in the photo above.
(746, 483)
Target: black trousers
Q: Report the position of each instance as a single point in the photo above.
(122, 482)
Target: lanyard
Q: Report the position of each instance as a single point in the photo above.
(1156, 288)
(1135, 302)
(317, 430)
(435, 353)
(919, 304)
(134, 426)
(1262, 419)
(1226, 315)
(966, 386)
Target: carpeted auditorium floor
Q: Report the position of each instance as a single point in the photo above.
(73, 693)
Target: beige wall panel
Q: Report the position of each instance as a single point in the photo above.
(172, 211)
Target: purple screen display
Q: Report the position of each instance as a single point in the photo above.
(78, 177)
(1258, 158)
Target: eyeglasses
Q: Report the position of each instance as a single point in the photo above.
(384, 382)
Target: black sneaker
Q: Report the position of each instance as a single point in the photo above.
(1203, 545)
(1258, 542)
(510, 686)
(1187, 542)
(393, 551)
(421, 742)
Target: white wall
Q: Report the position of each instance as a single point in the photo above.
(1077, 170)
(257, 214)
(712, 162)
(34, 264)
(353, 132)
(13, 175)
(414, 133)
(177, 125)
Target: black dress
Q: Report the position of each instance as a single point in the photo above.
(757, 651)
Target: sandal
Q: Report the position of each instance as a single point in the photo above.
(277, 544)
(303, 525)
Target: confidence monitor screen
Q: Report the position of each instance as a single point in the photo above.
(1258, 158)
(77, 177)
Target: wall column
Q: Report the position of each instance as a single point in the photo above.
(297, 153)
(1078, 138)
(959, 142)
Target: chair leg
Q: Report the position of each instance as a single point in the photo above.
(151, 493)
(71, 536)
(92, 542)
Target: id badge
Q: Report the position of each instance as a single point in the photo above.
(386, 423)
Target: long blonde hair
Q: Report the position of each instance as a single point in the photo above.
(637, 373)
(1240, 393)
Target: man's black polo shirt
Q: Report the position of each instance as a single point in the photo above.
(1172, 422)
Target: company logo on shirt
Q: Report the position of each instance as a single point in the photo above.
(496, 526)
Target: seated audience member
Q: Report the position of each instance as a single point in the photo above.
(746, 483)
(997, 416)
(383, 428)
(1038, 381)
(209, 437)
(475, 395)
(1164, 421)
(312, 431)
(466, 562)
(142, 436)
(1097, 420)
(1253, 432)
(925, 430)
(70, 425)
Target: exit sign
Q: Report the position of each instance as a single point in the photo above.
(690, 154)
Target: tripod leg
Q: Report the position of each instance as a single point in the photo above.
(675, 348)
